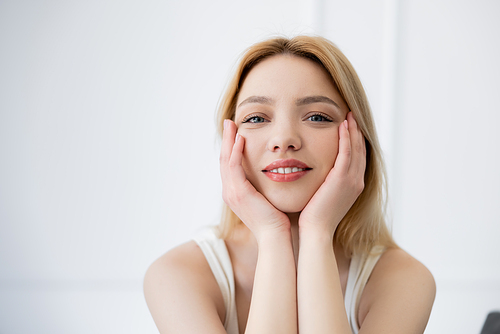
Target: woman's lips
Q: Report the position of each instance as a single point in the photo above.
(286, 170)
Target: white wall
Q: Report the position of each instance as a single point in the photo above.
(447, 193)
(107, 132)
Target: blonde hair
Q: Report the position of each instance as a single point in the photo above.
(364, 224)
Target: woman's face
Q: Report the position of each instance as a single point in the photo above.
(289, 112)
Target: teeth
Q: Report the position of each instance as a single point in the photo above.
(287, 170)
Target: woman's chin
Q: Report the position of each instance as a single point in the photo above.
(288, 199)
(289, 206)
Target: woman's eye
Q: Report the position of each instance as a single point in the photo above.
(254, 119)
(319, 118)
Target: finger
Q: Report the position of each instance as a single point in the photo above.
(227, 144)
(358, 160)
(344, 157)
(235, 162)
(355, 132)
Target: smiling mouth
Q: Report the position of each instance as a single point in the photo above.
(286, 170)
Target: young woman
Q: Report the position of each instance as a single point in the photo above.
(302, 246)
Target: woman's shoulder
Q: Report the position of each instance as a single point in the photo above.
(397, 261)
(187, 258)
(179, 282)
(401, 286)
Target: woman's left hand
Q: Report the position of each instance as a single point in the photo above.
(343, 184)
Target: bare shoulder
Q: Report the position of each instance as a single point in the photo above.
(396, 264)
(182, 293)
(400, 290)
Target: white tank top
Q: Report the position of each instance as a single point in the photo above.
(217, 256)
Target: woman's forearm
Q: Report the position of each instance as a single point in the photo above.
(319, 293)
(273, 308)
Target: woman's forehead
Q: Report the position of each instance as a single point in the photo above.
(287, 79)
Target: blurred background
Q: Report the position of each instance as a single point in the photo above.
(109, 158)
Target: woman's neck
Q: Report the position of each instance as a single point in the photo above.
(294, 228)
(294, 218)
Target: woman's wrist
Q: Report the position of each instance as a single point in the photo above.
(273, 234)
(316, 233)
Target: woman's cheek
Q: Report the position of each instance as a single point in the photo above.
(333, 147)
(250, 161)
(329, 146)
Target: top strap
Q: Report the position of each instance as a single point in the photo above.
(360, 270)
(217, 256)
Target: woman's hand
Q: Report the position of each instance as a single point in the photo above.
(343, 184)
(247, 203)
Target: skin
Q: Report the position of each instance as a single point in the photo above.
(288, 276)
(277, 128)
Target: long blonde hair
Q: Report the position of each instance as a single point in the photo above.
(364, 224)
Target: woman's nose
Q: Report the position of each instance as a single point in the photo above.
(283, 138)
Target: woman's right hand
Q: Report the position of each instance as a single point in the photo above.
(254, 210)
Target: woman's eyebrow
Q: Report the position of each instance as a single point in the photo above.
(315, 99)
(298, 102)
(257, 99)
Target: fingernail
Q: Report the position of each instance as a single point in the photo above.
(225, 123)
(345, 124)
(237, 137)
